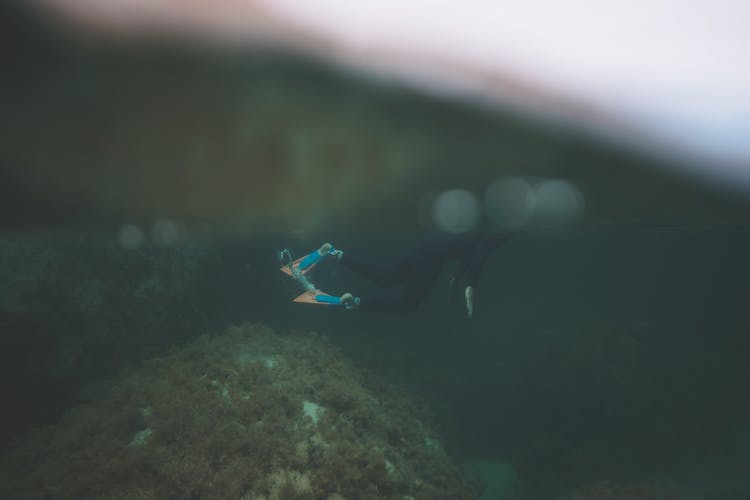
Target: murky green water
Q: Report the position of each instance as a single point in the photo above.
(146, 195)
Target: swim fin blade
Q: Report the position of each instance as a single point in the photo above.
(318, 298)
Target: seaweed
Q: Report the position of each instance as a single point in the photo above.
(248, 414)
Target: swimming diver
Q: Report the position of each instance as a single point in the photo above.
(418, 269)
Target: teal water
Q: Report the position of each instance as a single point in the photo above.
(614, 353)
(594, 354)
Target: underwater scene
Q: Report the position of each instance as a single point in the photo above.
(234, 272)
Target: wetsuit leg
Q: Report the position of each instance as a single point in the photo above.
(421, 278)
(381, 275)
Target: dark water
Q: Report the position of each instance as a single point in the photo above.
(611, 349)
(614, 353)
(595, 353)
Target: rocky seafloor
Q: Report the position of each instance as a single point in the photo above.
(246, 413)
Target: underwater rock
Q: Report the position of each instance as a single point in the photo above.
(212, 421)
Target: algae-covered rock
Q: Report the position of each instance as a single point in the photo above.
(215, 420)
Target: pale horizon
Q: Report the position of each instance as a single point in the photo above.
(674, 71)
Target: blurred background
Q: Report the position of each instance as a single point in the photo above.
(156, 155)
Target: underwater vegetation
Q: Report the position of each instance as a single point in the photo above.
(247, 413)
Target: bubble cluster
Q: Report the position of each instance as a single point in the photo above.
(558, 202)
(164, 232)
(508, 202)
(455, 211)
(130, 237)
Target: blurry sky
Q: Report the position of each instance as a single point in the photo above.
(675, 71)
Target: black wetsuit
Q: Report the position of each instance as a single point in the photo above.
(420, 268)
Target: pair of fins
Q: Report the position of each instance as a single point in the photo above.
(298, 269)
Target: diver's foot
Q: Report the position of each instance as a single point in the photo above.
(350, 301)
(327, 250)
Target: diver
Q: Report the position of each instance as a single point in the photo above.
(418, 269)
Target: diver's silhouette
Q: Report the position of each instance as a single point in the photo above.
(418, 269)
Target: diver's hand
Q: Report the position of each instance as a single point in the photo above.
(469, 292)
(349, 301)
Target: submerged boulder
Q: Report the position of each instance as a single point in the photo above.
(245, 414)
